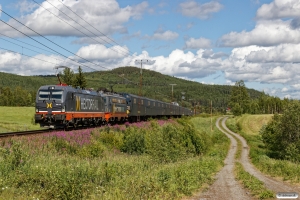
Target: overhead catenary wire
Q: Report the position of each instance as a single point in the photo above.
(30, 49)
(93, 26)
(47, 40)
(72, 25)
(22, 54)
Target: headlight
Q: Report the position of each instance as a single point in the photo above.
(36, 110)
(63, 109)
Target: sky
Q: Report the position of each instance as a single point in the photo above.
(211, 42)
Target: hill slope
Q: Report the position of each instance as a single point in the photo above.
(127, 79)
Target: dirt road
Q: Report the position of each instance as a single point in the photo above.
(226, 186)
(270, 183)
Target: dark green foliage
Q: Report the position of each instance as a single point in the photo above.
(16, 97)
(239, 98)
(68, 76)
(282, 134)
(167, 143)
(134, 141)
(80, 80)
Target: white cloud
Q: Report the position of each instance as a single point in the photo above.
(25, 7)
(166, 35)
(285, 53)
(105, 15)
(279, 9)
(200, 43)
(100, 52)
(201, 11)
(265, 33)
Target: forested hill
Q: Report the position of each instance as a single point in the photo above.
(127, 79)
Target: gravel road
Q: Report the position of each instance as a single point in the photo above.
(226, 186)
(270, 183)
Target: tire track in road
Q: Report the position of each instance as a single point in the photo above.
(270, 183)
(225, 185)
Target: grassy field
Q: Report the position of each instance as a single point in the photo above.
(248, 126)
(17, 119)
(151, 160)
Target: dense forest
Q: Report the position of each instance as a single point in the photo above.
(18, 90)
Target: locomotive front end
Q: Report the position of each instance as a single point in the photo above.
(50, 107)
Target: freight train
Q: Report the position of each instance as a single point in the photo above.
(62, 106)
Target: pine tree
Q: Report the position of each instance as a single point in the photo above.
(80, 80)
(239, 98)
(68, 76)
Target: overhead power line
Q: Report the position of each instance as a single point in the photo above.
(30, 49)
(93, 26)
(47, 40)
(27, 55)
(74, 26)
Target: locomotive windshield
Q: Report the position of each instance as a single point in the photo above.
(50, 95)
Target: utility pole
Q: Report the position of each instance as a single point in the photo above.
(172, 91)
(141, 79)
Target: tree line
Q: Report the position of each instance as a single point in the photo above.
(16, 97)
(241, 103)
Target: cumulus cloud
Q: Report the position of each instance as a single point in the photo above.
(201, 11)
(279, 9)
(25, 7)
(104, 15)
(199, 43)
(165, 35)
(210, 54)
(284, 53)
(100, 52)
(265, 33)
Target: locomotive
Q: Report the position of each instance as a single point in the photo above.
(62, 106)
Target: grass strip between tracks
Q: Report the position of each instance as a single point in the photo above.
(255, 186)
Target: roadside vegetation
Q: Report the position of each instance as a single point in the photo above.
(255, 186)
(165, 159)
(261, 156)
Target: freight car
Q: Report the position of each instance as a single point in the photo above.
(61, 106)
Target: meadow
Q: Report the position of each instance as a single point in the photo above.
(17, 119)
(249, 127)
(158, 159)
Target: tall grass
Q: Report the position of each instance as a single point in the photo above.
(286, 170)
(138, 161)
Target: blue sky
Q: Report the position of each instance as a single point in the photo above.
(212, 42)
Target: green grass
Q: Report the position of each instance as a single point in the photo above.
(92, 165)
(282, 169)
(255, 186)
(17, 119)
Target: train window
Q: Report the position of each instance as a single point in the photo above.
(44, 95)
(148, 103)
(134, 101)
(50, 95)
(158, 105)
(142, 102)
(56, 95)
(153, 103)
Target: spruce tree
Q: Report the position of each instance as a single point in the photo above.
(68, 76)
(80, 80)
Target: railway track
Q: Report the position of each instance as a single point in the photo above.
(20, 133)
